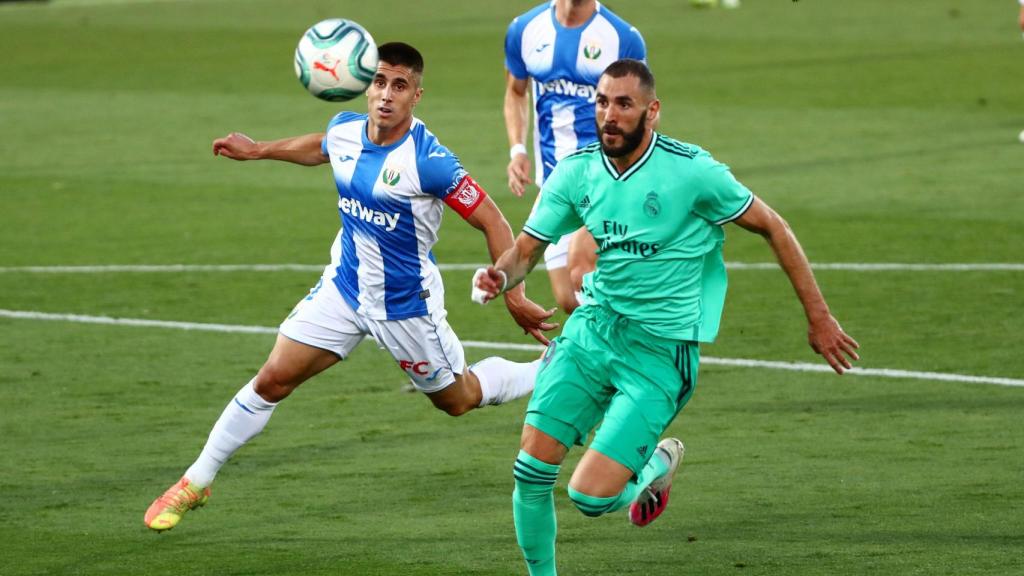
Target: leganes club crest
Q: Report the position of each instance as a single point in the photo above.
(391, 175)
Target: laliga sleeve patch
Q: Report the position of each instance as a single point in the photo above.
(466, 196)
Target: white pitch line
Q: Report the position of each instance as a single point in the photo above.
(880, 372)
(101, 269)
(145, 268)
(890, 266)
(100, 3)
(54, 4)
(82, 319)
(850, 266)
(741, 362)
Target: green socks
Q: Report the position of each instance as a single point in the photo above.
(533, 507)
(596, 506)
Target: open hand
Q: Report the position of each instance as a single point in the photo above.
(519, 174)
(827, 338)
(530, 316)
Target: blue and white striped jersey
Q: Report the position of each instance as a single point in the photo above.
(565, 64)
(390, 199)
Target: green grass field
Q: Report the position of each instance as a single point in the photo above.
(886, 132)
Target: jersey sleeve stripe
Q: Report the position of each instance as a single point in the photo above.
(536, 234)
(738, 213)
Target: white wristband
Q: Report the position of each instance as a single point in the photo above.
(516, 150)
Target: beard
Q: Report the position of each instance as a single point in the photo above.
(630, 140)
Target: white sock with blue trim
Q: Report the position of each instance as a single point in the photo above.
(243, 417)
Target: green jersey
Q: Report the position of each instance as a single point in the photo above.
(658, 228)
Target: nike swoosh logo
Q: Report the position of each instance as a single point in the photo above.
(542, 47)
(345, 158)
(436, 155)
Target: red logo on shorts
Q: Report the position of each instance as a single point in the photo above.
(421, 368)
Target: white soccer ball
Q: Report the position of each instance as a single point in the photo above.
(336, 60)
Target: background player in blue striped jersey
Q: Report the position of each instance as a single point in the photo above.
(558, 50)
(393, 179)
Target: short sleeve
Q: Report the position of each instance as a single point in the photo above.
(513, 50)
(440, 170)
(720, 197)
(339, 118)
(556, 213)
(634, 46)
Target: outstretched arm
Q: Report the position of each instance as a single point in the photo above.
(512, 267)
(304, 150)
(517, 116)
(529, 315)
(824, 334)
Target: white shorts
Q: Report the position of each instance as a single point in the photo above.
(557, 255)
(425, 347)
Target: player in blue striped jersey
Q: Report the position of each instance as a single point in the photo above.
(557, 52)
(393, 179)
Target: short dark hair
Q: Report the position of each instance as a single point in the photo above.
(401, 54)
(631, 67)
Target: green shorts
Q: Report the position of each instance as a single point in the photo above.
(605, 366)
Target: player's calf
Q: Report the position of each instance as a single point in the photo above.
(453, 406)
(533, 511)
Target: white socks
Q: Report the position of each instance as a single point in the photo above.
(247, 413)
(502, 380)
(244, 417)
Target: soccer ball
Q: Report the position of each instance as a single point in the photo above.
(336, 60)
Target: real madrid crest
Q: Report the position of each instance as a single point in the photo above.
(652, 207)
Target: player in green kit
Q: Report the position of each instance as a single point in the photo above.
(628, 357)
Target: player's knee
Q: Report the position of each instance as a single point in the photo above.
(274, 384)
(534, 479)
